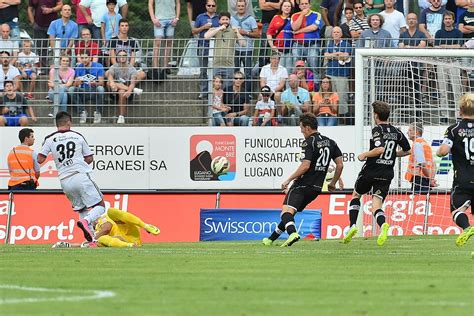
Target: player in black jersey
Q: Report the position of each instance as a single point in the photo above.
(318, 151)
(459, 139)
(377, 172)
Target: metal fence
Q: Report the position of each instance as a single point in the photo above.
(179, 91)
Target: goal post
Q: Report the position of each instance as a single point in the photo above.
(423, 86)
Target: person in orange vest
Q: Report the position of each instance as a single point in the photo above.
(22, 165)
(421, 168)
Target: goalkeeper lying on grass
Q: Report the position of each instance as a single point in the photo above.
(115, 229)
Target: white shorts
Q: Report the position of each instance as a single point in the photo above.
(81, 191)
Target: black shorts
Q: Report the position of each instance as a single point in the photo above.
(300, 196)
(379, 186)
(460, 197)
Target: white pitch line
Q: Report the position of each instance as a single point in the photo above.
(95, 295)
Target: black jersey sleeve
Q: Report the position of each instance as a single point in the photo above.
(449, 137)
(308, 148)
(377, 137)
(403, 142)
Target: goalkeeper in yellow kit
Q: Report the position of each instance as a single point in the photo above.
(116, 228)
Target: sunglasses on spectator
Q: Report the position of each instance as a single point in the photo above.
(210, 5)
(238, 78)
(359, 7)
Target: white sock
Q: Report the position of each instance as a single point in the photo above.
(94, 214)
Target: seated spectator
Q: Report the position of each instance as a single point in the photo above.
(9, 72)
(28, 64)
(219, 110)
(7, 44)
(110, 23)
(14, 107)
(295, 101)
(88, 87)
(274, 75)
(122, 79)
(237, 99)
(280, 34)
(448, 36)
(325, 104)
(65, 79)
(86, 43)
(305, 76)
(264, 114)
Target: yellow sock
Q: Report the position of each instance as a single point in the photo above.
(125, 217)
(110, 241)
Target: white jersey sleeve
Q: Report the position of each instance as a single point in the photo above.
(68, 149)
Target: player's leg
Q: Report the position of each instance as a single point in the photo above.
(93, 199)
(109, 241)
(361, 187)
(460, 202)
(380, 189)
(126, 217)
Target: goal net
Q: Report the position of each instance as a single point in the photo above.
(424, 87)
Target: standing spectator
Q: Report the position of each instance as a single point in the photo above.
(346, 30)
(8, 72)
(204, 22)
(6, 44)
(394, 21)
(264, 109)
(294, 101)
(226, 38)
(232, 7)
(98, 8)
(248, 28)
(425, 4)
(80, 18)
(66, 80)
(28, 63)
(338, 56)
(14, 107)
(88, 87)
(459, 7)
(218, 109)
(374, 6)
(41, 13)
(274, 75)
(63, 29)
(9, 14)
(130, 45)
(466, 21)
(412, 37)
(269, 9)
(306, 26)
(431, 20)
(358, 24)
(238, 100)
(165, 16)
(331, 14)
(194, 8)
(421, 168)
(122, 79)
(325, 104)
(109, 27)
(305, 77)
(375, 36)
(22, 165)
(86, 43)
(280, 34)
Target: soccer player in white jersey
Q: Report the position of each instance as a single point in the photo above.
(73, 156)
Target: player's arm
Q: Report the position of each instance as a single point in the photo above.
(41, 158)
(375, 152)
(104, 230)
(337, 175)
(443, 150)
(446, 145)
(303, 167)
(45, 150)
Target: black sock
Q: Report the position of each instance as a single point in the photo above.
(379, 217)
(277, 232)
(354, 207)
(289, 221)
(461, 219)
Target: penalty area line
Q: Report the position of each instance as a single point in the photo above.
(88, 295)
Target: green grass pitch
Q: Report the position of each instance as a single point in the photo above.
(408, 276)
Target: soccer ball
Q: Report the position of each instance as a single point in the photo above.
(220, 165)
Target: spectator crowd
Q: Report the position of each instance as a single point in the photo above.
(297, 59)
